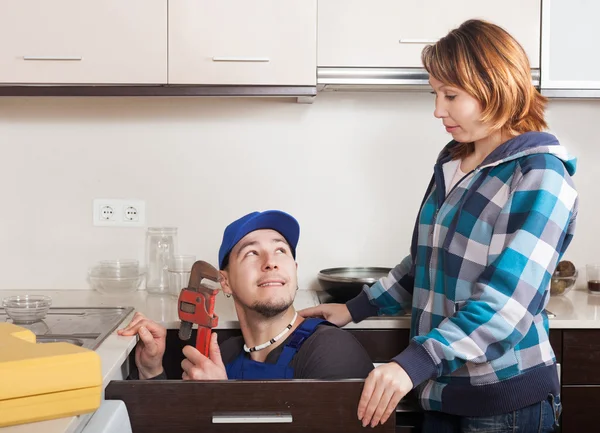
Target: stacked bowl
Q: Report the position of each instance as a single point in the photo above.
(116, 277)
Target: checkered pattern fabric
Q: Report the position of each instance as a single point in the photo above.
(477, 279)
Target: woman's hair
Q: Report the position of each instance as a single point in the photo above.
(484, 60)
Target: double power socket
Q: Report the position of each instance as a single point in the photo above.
(119, 213)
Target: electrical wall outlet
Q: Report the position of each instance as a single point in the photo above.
(119, 213)
(131, 214)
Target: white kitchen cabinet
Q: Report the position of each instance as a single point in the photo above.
(111, 417)
(83, 41)
(570, 41)
(246, 42)
(392, 33)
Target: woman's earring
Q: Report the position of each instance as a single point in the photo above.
(228, 295)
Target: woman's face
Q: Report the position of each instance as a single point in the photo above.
(460, 113)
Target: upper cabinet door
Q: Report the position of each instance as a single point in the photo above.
(570, 40)
(83, 41)
(260, 42)
(392, 33)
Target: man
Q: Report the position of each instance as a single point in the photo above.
(258, 270)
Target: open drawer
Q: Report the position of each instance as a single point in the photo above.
(249, 406)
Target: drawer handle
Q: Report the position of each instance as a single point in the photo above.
(418, 41)
(52, 58)
(252, 418)
(241, 59)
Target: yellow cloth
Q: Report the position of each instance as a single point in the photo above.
(45, 381)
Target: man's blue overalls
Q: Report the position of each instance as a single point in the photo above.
(244, 368)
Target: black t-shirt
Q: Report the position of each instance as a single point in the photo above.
(329, 353)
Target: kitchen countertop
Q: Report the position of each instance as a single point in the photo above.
(160, 308)
(576, 310)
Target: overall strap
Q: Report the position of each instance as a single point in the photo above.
(244, 368)
(299, 336)
(234, 369)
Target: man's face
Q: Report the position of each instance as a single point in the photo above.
(262, 273)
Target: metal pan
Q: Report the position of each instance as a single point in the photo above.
(343, 284)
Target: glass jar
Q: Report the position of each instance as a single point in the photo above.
(161, 245)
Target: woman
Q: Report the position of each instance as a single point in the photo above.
(496, 218)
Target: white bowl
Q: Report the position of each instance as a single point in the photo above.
(27, 308)
(122, 268)
(116, 285)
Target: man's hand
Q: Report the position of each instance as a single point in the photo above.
(150, 348)
(384, 388)
(198, 367)
(338, 314)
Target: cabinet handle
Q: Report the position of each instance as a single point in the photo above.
(418, 41)
(52, 58)
(252, 418)
(241, 59)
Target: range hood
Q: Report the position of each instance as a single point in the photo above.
(300, 92)
(571, 93)
(345, 79)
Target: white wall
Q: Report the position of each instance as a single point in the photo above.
(351, 167)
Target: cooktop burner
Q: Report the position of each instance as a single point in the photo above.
(85, 327)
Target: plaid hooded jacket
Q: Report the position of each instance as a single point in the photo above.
(477, 278)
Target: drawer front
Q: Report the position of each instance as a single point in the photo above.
(260, 42)
(579, 409)
(581, 357)
(391, 33)
(83, 41)
(556, 341)
(191, 406)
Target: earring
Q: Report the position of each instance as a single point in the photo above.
(228, 295)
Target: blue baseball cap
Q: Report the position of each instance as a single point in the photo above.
(276, 220)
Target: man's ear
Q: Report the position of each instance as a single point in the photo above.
(297, 286)
(224, 280)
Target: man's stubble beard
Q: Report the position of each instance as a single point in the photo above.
(271, 309)
(268, 309)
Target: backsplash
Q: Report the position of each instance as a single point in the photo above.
(351, 167)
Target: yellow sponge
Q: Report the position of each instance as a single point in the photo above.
(45, 381)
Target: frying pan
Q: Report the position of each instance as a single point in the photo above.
(343, 284)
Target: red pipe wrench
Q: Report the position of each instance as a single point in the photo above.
(196, 304)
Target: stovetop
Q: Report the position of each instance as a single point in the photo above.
(85, 327)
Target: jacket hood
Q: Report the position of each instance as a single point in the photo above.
(528, 143)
